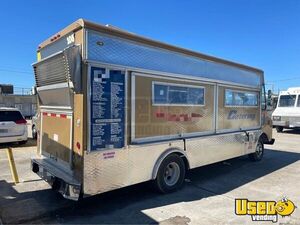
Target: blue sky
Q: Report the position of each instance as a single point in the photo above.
(259, 33)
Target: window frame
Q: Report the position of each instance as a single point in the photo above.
(292, 106)
(298, 101)
(242, 91)
(177, 85)
(263, 98)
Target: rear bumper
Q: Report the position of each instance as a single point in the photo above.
(59, 179)
(14, 138)
(286, 124)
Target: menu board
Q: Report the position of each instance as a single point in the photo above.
(107, 109)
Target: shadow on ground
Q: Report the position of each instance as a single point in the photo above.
(30, 142)
(126, 205)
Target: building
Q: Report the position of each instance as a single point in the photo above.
(20, 98)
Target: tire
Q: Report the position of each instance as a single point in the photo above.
(259, 152)
(22, 142)
(34, 132)
(171, 174)
(279, 129)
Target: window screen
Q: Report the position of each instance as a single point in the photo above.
(168, 94)
(240, 98)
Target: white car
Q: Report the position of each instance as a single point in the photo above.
(13, 126)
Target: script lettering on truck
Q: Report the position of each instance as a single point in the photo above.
(234, 115)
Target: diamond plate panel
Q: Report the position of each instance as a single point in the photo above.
(118, 51)
(211, 149)
(113, 169)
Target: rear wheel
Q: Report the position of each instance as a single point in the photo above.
(259, 152)
(279, 129)
(171, 173)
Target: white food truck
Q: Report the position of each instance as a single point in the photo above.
(287, 112)
(117, 109)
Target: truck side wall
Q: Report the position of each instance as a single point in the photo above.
(106, 170)
(109, 169)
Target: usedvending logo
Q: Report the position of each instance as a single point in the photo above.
(264, 210)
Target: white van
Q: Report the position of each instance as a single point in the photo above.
(287, 112)
(13, 126)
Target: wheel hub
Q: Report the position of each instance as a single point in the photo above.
(259, 149)
(172, 174)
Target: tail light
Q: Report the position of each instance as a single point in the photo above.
(21, 121)
(78, 145)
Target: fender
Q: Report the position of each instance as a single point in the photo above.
(265, 139)
(164, 155)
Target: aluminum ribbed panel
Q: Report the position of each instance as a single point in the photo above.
(118, 51)
(54, 70)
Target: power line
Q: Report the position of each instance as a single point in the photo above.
(16, 71)
(288, 79)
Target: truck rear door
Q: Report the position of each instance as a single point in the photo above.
(56, 135)
(56, 87)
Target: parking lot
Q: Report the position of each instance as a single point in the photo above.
(208, 196)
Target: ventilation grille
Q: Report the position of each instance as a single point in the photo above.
(52, 71)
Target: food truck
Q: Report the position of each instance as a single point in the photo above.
(287, 112)
(117, 109)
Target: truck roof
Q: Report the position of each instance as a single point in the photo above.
(111, 30)
(292, 90)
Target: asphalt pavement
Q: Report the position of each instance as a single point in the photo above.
(208, 196)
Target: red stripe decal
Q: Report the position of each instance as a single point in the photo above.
(160, 114)
(108, 153)
(196, 115)
(45, 114)
(63, 116)
(53, 114)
